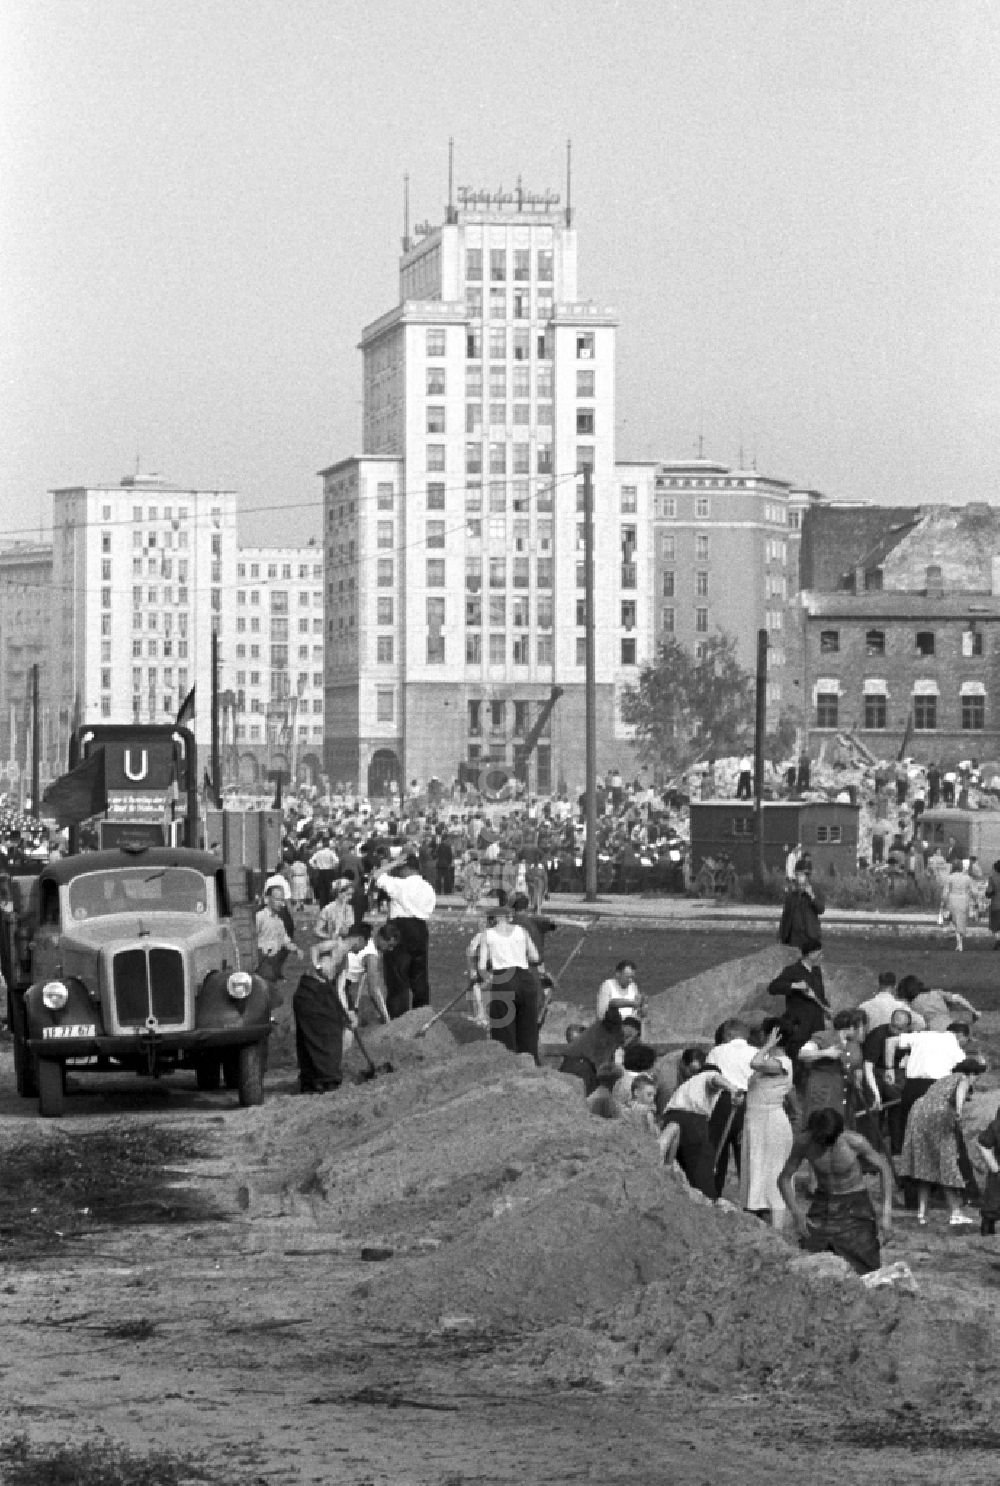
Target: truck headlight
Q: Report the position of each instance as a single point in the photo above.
(239, 985)
(54, 995)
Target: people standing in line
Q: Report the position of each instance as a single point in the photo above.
(804, 905)
(840, 1218)
(806, 1004)
(411, 903)
(767, 1130)
(507, 954)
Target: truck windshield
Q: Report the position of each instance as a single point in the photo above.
(138, 890)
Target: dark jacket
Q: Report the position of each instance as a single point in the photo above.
(800, 917)
(804, 1015)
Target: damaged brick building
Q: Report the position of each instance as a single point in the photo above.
(900, 629)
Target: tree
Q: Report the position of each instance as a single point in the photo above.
(684, 709)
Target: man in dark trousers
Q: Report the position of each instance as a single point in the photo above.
(444, 858)
(806, 1006)
(804, 904)
(411, 902)
(322, 1012)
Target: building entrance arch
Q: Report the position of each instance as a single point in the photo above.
(383, 770)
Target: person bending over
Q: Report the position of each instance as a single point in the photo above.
(840, 1218)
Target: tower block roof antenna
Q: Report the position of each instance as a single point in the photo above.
(452, 215)
(569, 183)
(407, 244)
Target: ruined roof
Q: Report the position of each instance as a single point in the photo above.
(837, 541)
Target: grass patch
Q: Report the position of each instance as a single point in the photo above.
(94, 1463)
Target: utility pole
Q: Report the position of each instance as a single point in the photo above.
(36, 744)
(590, 691)
(760, 718)
(216, 762)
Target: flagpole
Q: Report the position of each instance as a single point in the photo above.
(216, 767)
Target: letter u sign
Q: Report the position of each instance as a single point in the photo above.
(131, 772)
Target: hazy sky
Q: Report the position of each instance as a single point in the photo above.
(793, 205)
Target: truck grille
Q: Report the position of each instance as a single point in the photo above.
(148, 982)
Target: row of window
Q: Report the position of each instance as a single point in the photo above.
(497, 648)
(700, 583)
(701, 624)
(302, 680)
(520, 379)
(168, 648)
(925, 712)
(253, 570)
(924, 642)
(153, 513)
(496, 710)
(668, 547)
(303, 653)
(518, 302)
(665, 508)
(520, 262)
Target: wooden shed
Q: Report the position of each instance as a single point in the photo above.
(825, 829)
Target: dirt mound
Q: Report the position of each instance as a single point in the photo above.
(501, 1206)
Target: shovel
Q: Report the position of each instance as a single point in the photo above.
(373, 1070)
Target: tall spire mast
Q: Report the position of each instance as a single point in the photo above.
(569, 183)
(451, 179)
(406, 212)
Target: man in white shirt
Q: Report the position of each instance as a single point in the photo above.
(686, 1137)
(620, 991)
(411, 902)
(732, 1055)
(932, 1055)
(879, 1009)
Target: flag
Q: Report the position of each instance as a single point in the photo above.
(186, 713)
(907, 734)
(76, 796)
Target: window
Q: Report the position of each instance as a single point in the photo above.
(435, 496)
(829, 641)
(585, 384)
(473, 459)
(584, 457)
(925, 642)
(585, 422)
(474, 263)
(875, 712)
(473, 574)
(875, 643)
(435, 343)
(585, 345)
(522, 456)
(519, 613)
(522, 352)
(522, 265)
(474, 343)
(545, 650)
(435, 457)
(498, 345)
(498, 610)
(629, 500)
(581, 650)
(545, 265)
(701, 621)
(383, 534)
(498, 459)
(701, 584)
(383, 610)
(629, 611)
(925, 714)
(498, 265)
(383, 572)
(702, 508)
(628, 653)
(828, 835)
(435, 533)
(827, 707)
(498, 304)
(473, 648)
(973, 712)
(700, 546)
(473, 417)
(435, 572)
(498, 572)
(473, 610)
(384, 495)
(521, 650)
(498, 415)
(668, 621)
(385, 709)
(473, 381)
(435, 418)
(383, 652)
(543, 572)
(972, 642)
(498, 650)
(628, 576)
(665, 507)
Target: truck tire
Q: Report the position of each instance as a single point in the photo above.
(251, 1080)
(51, 1088)
(231, 1068)
(208, 1074)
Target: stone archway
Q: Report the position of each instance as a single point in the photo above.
(249, 769)
(309, 770)
(383, 770)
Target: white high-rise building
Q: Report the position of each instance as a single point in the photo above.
(454, 543)
(142, 572)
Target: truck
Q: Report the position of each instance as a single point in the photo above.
(136, 958)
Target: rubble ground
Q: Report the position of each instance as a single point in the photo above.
(450, 1273)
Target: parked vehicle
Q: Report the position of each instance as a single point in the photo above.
(133, 960)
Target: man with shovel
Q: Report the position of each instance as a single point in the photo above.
(806, 1004)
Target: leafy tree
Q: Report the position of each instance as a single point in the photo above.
(781, 739)
(684, 709)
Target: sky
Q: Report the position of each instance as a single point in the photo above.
(793, 206)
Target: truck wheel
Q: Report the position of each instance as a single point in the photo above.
(231, 1069)
(24, 1072)
(51, 1088)
(208, 1074)
(251, 1082)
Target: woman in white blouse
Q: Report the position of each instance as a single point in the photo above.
(506, 956)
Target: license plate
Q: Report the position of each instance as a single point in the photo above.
(70, 1029)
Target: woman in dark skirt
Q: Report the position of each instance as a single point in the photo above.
(840, 1219)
